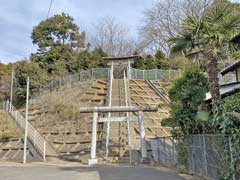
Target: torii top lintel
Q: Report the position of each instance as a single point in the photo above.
(120, 60)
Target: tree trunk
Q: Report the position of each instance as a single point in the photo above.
(212, 70)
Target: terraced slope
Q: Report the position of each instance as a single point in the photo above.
(56, 116)
(142, 94)
(11, 141)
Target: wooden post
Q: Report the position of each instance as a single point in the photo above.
(26, 124)
(93, 159)
(142, 136)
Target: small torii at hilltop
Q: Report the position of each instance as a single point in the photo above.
(125, 62)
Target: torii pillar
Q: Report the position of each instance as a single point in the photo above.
(106, 109)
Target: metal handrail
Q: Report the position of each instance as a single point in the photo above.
(38, 141)
(127, 114)
(109, 104)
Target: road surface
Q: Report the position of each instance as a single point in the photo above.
(45, 172)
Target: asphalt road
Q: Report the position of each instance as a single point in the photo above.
(87, 173)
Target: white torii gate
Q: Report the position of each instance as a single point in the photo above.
(107, 109)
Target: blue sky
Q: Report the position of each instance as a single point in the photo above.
(18, 17)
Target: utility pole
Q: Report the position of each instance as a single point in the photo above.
(26, 124)
(11, 93)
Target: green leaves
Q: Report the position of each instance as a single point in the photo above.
(229, 125)
(57, 38)
(186, 94)
(216, 27)
(38, 77)
(57, 30)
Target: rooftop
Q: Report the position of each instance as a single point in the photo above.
(225, 89)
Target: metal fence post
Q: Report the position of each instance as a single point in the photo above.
(205, 155)
(164, 150)
(60, 82)
(34, 137)
(173, 151)
(92, 73)
(192, 163)
(8, 105)
(231, 156)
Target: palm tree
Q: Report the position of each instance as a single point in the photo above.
(211, 36)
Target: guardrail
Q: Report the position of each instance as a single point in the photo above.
(33, 135)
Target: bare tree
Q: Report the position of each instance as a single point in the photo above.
(113, 38)
(163, 21)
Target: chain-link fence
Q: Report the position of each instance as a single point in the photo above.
(164, 151)
(154, 74)
(208, 156)
(90, 74)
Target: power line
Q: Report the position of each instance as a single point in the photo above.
(50, 6)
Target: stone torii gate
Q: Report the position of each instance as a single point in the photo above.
(107, 109)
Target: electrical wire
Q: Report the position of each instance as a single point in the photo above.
(50, 6)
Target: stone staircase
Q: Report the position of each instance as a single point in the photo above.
(118, 141)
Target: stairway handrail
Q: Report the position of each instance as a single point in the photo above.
(33, 135)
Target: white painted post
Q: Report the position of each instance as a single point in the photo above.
(128, 123)
(26, 124)
(109, 114)
(34, 137)
(11, 95)
(142, 136)
(93, 159)
(44, 151)
(155, 74)
(129, 70)
(7, 105)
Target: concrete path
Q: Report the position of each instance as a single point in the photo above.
(44, 172)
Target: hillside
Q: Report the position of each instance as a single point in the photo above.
(56, 116)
